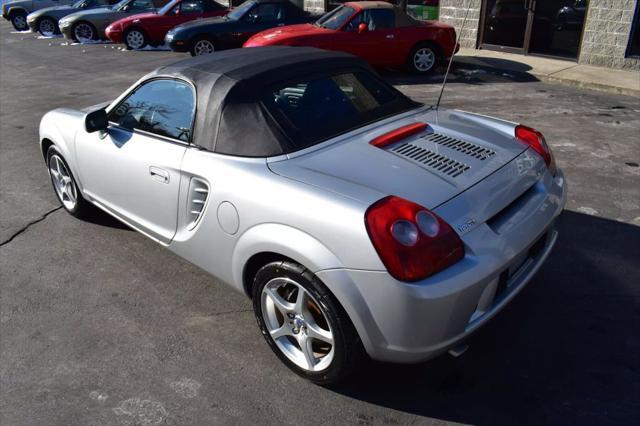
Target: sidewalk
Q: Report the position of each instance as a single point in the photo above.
(553, 70)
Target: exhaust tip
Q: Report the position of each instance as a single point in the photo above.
(458, 350)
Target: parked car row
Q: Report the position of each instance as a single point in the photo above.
(377, 31)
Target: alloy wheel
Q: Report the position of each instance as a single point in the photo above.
(135, 39)
(19, 21)
(47, 27)
(297, 324)
(424, 59)
(63, 183)
(83, 32)
(203, 47)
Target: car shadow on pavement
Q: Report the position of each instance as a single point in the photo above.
(465, 73)
(98, 217)
(566, 350)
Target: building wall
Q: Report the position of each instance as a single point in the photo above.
(453, 12)
(606, 34)
(315, 6)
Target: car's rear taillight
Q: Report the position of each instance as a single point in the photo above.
(412, 242)
(536, 141)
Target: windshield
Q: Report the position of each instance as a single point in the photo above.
(239, 11)
(167, 7)
(337, 18)
(315, 109)
(78, 4)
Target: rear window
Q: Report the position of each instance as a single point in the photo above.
(316, 109)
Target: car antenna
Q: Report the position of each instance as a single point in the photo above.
(446, 74)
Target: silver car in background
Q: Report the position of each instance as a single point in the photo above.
(16, 11)
(357, 220)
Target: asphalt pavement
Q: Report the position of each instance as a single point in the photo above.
(101, 326)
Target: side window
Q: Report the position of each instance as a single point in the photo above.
(192, 6)
(381, 18)
(376, 19)
(162, 107)
(141, 5)
(266, 12)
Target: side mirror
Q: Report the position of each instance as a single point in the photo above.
(126, 8)
(362, 28)
(96, 120)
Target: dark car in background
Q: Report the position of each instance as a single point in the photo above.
(231, 31)
(45, 21)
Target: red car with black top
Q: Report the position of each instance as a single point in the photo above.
(381, 33)
(137, 31)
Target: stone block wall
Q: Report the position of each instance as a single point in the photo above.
(606, 34)
(453, 12)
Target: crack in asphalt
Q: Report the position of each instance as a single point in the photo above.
(28, 225)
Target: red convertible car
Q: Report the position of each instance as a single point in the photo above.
(137, 31)
(377, 31)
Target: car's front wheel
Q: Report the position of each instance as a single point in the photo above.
(47, 27)
(304, 324)
(202, 46)
(19, 20)
(423, 58)
(64, 185)
(84, 32)
(135, 39)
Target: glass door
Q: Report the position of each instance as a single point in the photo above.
(505, 24)
(557, 27)
(542, 27)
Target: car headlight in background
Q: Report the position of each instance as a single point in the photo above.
(169, 37)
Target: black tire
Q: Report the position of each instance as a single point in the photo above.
(18, 19)
(142, 33)
(195, 51)
(43, 22)
(82, 208)
(432, 49)
(347, 346)
(94, 34)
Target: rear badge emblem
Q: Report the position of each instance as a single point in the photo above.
(466, 225)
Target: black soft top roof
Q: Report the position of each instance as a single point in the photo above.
(228, 84)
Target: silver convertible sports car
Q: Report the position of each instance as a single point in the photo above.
(357, 220)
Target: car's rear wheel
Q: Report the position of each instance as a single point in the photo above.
(135, 39)
(47, 27)
(202, 46)
(423, 58)
(304, 324)
(19, 20)
(84, 32)
(64, 185)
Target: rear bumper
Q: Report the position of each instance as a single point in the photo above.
(402, 322)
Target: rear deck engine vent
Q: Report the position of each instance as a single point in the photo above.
(437, 162)
(468, 148)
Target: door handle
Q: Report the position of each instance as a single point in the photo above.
(390, 36)
(159, 174)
